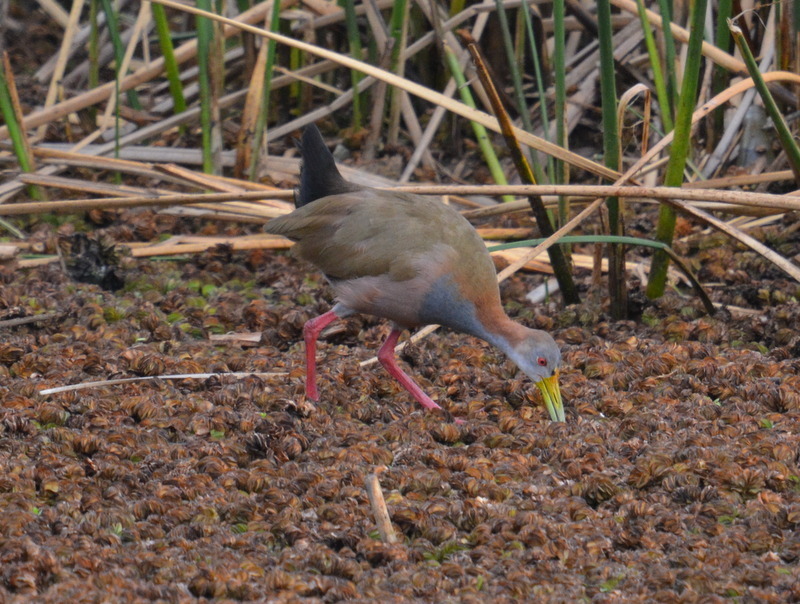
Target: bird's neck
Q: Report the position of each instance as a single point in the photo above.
(503, 332)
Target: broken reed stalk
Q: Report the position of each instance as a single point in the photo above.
(379, 510)
(557, 258)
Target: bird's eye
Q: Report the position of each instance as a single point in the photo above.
(542, 361)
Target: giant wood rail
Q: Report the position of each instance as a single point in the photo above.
(405, 258)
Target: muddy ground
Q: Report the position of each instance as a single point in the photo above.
(675, 477)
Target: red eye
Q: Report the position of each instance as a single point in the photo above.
(542, 361)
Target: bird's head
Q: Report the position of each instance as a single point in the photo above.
(539, 357)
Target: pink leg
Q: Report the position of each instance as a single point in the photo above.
(387, 359)
(311, 331)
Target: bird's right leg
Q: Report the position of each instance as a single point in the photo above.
(311, 331)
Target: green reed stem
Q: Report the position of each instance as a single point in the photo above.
(679, 151)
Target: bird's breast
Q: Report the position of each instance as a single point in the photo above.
(445, 304)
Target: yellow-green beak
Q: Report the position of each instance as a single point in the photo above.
(551, 394)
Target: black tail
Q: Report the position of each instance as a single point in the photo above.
(319, 176)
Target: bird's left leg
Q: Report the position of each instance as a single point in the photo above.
(311, 331)
(387, 358)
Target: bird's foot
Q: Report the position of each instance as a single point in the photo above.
(311, 391)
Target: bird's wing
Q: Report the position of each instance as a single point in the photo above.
(369, 233)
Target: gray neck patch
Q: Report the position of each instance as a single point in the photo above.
(444, 305)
